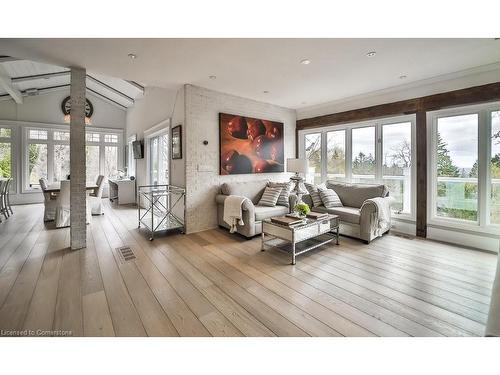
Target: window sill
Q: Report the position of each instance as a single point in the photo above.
(459, 225)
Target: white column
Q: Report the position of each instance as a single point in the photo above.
(78, 203)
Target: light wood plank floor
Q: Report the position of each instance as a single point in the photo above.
(216, 284)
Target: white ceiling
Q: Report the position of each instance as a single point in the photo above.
(25, 75)
(246, 67)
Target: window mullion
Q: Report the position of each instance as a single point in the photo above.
(378, 152)
(348, 155)
(484, 187)
(324, 160)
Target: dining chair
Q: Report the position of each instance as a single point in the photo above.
(3, 209)
(49, 201)
(63, 211)
(7, 196)
(95, 198)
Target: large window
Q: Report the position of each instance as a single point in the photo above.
(465, 167)
(396, 163)
(5, 152)
(457, 167)
(48, 155)
(363, 153)
(313, 155)
(378, 151)
(335, 153)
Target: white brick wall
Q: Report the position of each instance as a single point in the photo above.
(202, 123)
(78, 197)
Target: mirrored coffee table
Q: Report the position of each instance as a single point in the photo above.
(302, 237)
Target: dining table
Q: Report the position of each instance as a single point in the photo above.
(56, 188)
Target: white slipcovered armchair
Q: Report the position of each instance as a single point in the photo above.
(63, 207)
(49, 202)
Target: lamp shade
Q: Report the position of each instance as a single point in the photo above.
(296, 165)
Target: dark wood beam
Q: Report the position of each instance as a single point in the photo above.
(421, 140)
(471, 95)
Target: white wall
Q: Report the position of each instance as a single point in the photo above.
(155, 106)
(46, 108)
(202, 123)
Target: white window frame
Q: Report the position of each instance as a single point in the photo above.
(25, 127)
(378, 124)
(131, 161)
(483, 223)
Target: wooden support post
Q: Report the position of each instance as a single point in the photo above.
(78, 199)
(421, 223)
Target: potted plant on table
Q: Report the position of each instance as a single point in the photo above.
(302, 209)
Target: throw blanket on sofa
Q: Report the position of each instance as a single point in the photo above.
(382, 215)
(232, 211)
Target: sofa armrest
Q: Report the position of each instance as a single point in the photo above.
(247, 205)
(369, 216)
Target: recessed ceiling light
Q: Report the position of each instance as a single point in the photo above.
(132, 56)
(402, 77)
(305, 62)
(371, 53)
(212, 77)
(265, 92)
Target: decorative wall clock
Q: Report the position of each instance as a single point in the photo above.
(66, 109)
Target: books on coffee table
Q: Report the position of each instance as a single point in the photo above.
(317, 215)
(286, 220)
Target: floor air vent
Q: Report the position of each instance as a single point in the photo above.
(126, 254)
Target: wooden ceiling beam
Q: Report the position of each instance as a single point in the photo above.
(471, 95)
(6, 83)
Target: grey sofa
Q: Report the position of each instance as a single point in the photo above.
(252, 213)
(358, 216)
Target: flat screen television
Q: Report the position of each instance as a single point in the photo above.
(137, 149)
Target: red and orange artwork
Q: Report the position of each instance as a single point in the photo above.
(250, 145)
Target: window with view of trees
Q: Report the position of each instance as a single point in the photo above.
(48, 156)
(5, 152)
(363, 153)
(457, 167)
(313, 155)
(335, 153)
(396, 167)
(380, 152)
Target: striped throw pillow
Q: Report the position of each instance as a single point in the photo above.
(330, 198)
(313, 191)
(270, 196)
(284, 198)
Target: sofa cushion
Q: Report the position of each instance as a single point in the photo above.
(314, 193)
(270, 196)
(263, 212)
(347, 214)
(330, 198)
(353, 195)
(284, 198)
(251, 189)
